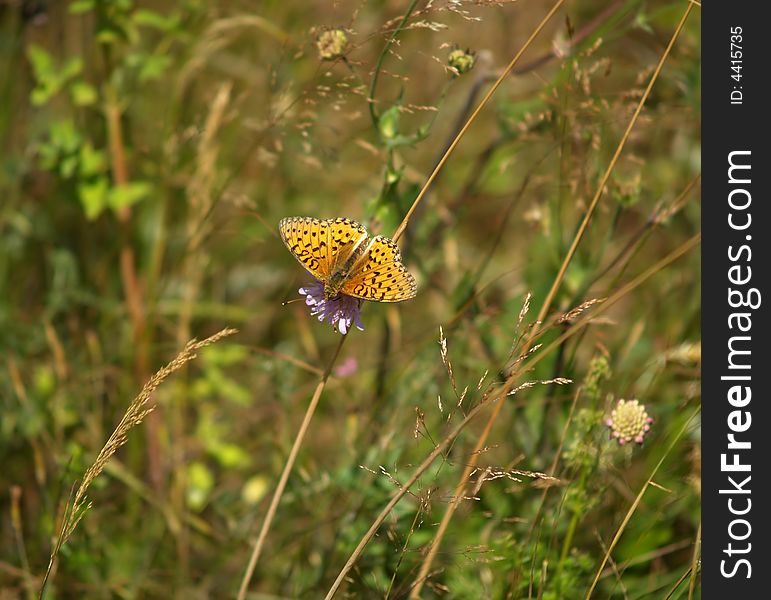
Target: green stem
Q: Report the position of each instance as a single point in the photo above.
(378, 67)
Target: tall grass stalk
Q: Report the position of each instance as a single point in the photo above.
(279, 491)
(499, 397)
(545, 307)
(275, 500)
(638, 498)
(201, 199)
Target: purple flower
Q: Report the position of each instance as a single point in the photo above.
(341, 311)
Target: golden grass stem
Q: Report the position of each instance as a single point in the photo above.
(606, 176)
(638, 499)
(274, 502)
(431, 555)
(499, 397)
(399, 231)
(679, 582)
(403, 225)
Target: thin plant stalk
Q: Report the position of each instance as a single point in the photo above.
(249, 573)
(499, 397)
(695, 563)
(403, 225)
(379, 65)
(637, 500)
(274, 502)
(545, 307)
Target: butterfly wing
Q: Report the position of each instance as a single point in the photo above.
(308, 241)
(345, 237)
(320, 245)
(380, 274)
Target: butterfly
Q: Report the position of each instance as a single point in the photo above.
(341, 254)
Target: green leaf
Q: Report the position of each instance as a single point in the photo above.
(153, 67)
(156, 20)
(230, 456)
(200, 483)
(83, 94)
(40, 96)
(128, 195)
(93, 197)
(68, 166)
(389, 123)
(44, 381)
(41, 61)
(65, 136)
(81, 6)
(48, 76)
(92, 161)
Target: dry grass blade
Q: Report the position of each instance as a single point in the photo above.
(139, 408)
(276, 499)
(427, 562)
(637, 501)
(441, 446)
(403, 225)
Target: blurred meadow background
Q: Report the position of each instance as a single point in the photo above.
(149, 150)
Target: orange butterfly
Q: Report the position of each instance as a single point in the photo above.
(340, 254)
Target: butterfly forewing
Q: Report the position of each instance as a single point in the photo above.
(308, 240)
(321, 245)
(380, 274)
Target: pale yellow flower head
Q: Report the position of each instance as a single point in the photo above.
(629, 422)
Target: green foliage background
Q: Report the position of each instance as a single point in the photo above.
(149, 150)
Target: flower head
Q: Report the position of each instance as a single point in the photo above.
(461, 61)
(341, 311)
(331, 44)
(629, 421)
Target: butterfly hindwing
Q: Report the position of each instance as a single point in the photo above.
(380, 275)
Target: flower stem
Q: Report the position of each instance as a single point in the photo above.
(285, 473)
(379, 66)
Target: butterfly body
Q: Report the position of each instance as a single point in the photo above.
(340, 253)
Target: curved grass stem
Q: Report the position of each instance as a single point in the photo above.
(274, 502)
(545, 307)
(499, 398)
(379, 65)
(403, 225)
